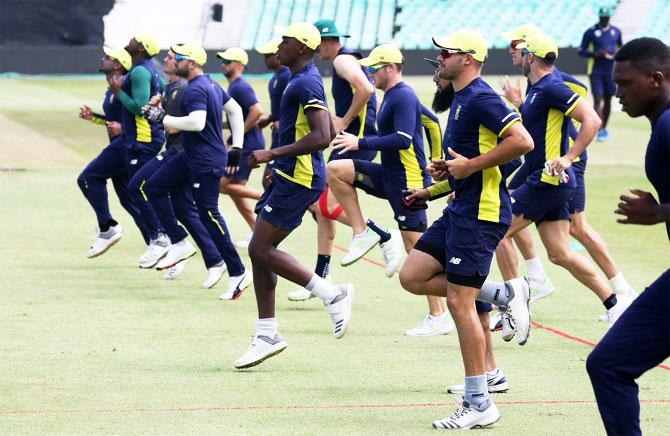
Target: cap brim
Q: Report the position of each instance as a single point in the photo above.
(334, 35)
(441, 41)
(433, 62)
(220, 56)
(367, 62)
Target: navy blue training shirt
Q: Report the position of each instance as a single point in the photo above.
(657, 159)
(244, 95)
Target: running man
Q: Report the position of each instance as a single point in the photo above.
(199, 165)
(640, 340)
(298, 179)
(599, 44)
(233, 63)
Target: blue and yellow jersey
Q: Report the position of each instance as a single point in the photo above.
(304, 91)
(111, 108)
(205, 150)
(141, 83)
(431, 127)
(598, 38)
(581, 89)
(545, 113)
(400, 138)
(477, 119)
(343, 95)
(244, 95)
(276, 87)
(657, 159)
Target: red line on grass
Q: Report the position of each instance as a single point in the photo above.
(289, 407)
(365, 258)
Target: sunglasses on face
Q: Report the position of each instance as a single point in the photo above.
(525, 52)
(373, 69)
(180, 57)
(226, 62)
(446, 53)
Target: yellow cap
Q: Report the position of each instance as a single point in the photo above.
(304, 32)
(383, 54)
(149, 42)
(191, 51)
(118, 54)
(234, 54)
(466, 40)
(522, 32)
(540, 45)
(269, 47)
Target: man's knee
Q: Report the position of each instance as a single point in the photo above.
(595, 363)
(259, 252)
(340, 171)
(559, 257)
(408, 279)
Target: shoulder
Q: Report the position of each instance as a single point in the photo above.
(140, 71)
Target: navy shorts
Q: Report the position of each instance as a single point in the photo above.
(284, 203)
(370, 177)
(463, 246)
(602, 84)
(368, 155)
(578, 201)
(541, 203)
(245, 170)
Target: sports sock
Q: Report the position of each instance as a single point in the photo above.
(535, 270)
(476, 392)
(266, 327)
(498, 293)
(322, 289)
(104, 227)
(492, 373)
(610, 302)
(384, 234)
(322, 265)
(620, 285)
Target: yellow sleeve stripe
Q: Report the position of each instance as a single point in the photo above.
(98, 120)
(507, 126)
(318, 106)
(573, 106)
(439, 188)
(579, 89)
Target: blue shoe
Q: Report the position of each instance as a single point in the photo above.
(603, 135)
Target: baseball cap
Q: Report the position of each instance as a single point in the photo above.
(521, 32)
(269, 47)
(234, 54)
(120, 55)
(540, 45)
(383, 54)
(328, 29)
(433, 62)
(604, 11)
(304, 32)
(191, 51)
(149, 42)
(466, 40)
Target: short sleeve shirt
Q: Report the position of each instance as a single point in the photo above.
(244, 95)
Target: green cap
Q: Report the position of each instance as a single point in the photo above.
(328, 29)
(605, 11)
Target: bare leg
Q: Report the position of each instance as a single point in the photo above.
(607, 108)
(461, 303)
(524, 242)
(508, 263)
(341, 180)
(582, 231)
(490, 358)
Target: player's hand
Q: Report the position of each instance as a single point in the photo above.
(234, 157)
(601, 54)
(268, 178)
(415, 199)
(156, 100)
(113, 128)
(115, 83)
(275, 125)
(263, 122)
(640, 209)
(339, 124)
(258, 157)
(438, 170)
(450, 198)
(85, 113)
(559, 165)
(154, 114)
(511, 92)
(459, 166)
(345, 142)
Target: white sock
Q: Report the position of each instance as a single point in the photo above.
(266, 327)
(322, 289)
(535, 270)
(493, 372)
(620, 285)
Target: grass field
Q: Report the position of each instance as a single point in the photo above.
(102, 347)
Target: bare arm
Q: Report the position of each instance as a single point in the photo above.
(253, 116)
(318, 138)
(588, 129)
(350, 70)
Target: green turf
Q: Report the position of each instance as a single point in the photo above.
(102, 347)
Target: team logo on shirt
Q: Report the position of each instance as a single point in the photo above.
(174, 94)
(597, 33)
(457, 113)
(274, 84)
(532, 98)
(612, 32)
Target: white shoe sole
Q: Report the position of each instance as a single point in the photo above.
(282, 347)
(112, 241)
(183, 258)
(148, 265)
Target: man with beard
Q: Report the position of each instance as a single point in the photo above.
(200, 164)
(424, 270)
(640, 340)
(233, 63)
(276, 86)
(298, 179)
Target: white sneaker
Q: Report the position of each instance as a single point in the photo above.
(392, 250)
(300, 294)
(541, 290)
(466, 417)
(340, 309)
(104, 241)
(630, 294)
(496, 383)
(236, 286)
(174, 271)
(214, 274)
(604, 317)
(178, 252)
(244, 243)
(508, 328)
(261, 348)
(519, 311)
(433, 326)
(359, 246)
(156, 250)
(619, 308)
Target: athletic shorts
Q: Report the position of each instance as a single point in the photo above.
(578, 201)
(602, 85)
(284, 203)
(370, 178)
(541, 203)
(463, 246)
(368, 155)
(245, 170)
